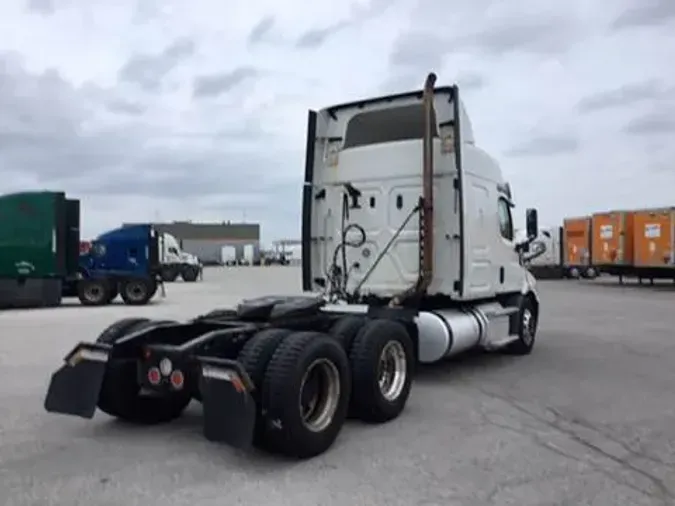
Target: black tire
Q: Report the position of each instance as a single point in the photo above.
(299, 354)
(527, 329)
(169, 274)
(346, 329)
(119, 329)
(119, 396)
(93, 292)
(189, 274)
(255, 357)
(375, 340)
(137, 292)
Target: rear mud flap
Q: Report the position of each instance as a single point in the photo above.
(229, 408)
(75, 387)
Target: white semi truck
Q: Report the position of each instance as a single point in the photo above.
(545, 258)
(176, 262)
(409, 255)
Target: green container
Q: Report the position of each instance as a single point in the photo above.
(31, 228)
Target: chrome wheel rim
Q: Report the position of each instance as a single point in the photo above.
(392, 370)
(319, 394)
(528, 327)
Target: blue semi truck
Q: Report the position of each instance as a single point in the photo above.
(124, 261)
(41, 262)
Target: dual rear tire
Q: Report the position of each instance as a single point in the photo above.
(102, 291)
(306, 383)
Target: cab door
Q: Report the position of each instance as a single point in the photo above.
(509, 269)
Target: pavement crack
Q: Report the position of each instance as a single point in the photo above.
(637, 453)
(660, 490)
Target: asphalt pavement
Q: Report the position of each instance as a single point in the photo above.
(587, 419)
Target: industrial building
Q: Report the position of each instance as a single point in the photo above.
(213, 242)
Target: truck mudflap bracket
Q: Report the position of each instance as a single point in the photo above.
(74, 388)
(229, 408)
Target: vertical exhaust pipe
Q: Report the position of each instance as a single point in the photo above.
(426, 205)
(427, 208)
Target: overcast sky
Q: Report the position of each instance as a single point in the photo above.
(174, 109)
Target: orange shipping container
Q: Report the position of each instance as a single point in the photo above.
(612, 238)
(576, 241)
(654, 238)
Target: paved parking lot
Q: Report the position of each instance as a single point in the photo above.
(588, 418)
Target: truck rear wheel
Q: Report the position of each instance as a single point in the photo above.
(346, 329)
(255, 357)
(305, 395)
(189, 274)
(119, 329)
(382, 360)
(119, 395)
(94, 292)
(137, 292)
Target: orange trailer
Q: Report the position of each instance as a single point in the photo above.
(654, 239)
(577, 246)
(612, 244)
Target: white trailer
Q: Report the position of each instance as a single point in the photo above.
(229, 255)
(249, 254)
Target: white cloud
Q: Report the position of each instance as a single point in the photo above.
(196, 110)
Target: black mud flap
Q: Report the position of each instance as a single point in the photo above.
(75, 387)
(229, 408)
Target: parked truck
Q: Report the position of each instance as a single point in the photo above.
(545, 258)
(43, 260)
(124, 261)
(39, 247)
(176, 262)
(407, 233)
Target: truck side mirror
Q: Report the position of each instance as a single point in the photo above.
(531, 222)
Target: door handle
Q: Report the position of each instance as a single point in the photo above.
(501, 275)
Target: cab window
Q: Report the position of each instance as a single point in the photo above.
(505, 220)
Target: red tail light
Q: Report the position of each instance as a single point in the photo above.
(177, 379)
(154, 376)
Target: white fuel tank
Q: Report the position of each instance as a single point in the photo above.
(447, 332)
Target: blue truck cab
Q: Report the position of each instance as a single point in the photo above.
(124, 261)
(126, 251)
